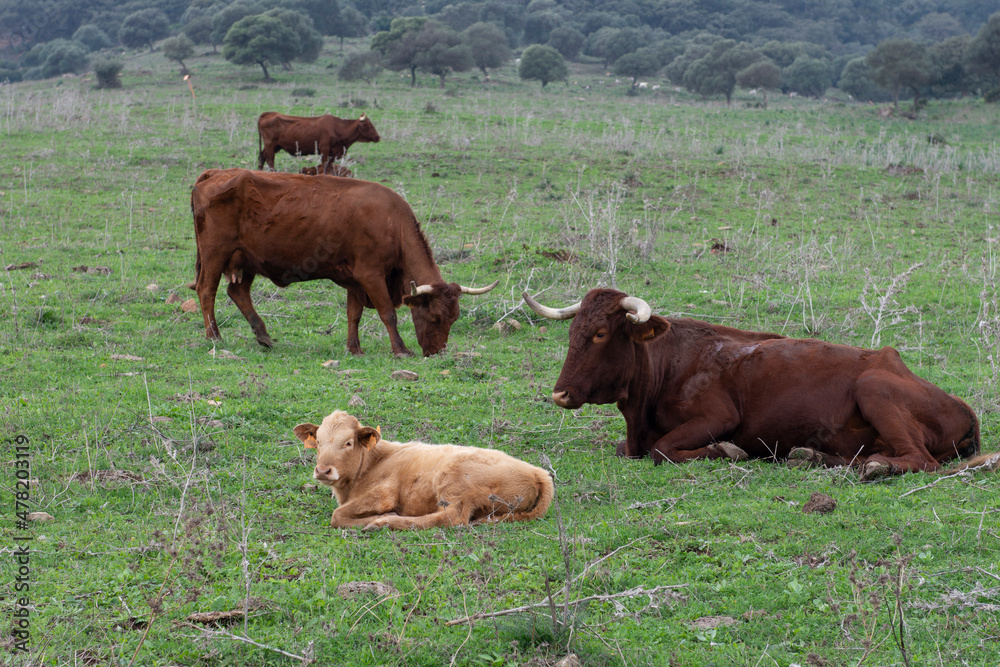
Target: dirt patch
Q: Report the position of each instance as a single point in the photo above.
(107, 477)
(709, 622)
(819, 503)
(902, 170)
(353, 589)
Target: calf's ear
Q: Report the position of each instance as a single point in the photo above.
(643, 332)
(307, 434)
(369, 436)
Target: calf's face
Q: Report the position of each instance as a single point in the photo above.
(340, 443)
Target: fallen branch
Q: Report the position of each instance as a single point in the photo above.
(630, 593)
(211, 633)
(656, 503)
(989, 463)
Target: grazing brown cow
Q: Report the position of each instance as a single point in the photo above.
(334, 170)
(290, 228)
(689, 389)
(379, 483)
(326, 136)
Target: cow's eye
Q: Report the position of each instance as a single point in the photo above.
(600, 335)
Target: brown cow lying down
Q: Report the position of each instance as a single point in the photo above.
(379, 483)
(691, 390)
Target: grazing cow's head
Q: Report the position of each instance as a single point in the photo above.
(340, 443)
(366, 130)
(434, 308)
(607, 330)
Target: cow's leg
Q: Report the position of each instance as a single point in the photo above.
(696, 438)
(452, 514)
(899, 447)
(355, 308)
(806, 457)
(239, 292)
(378, 294)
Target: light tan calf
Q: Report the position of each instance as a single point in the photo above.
(379, 483)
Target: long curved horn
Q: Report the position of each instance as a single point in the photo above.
(478, 290)
(417, 290)
(552, 313)
(638, 310)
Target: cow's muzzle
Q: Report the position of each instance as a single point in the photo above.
(563, 400)
(325, 474)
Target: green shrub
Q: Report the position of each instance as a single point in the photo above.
(303, 92)
(108, 72)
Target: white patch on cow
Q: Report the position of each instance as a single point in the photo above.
(746, 351)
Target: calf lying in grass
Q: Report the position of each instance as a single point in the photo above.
(379, 483)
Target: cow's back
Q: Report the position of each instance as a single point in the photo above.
(293, 227)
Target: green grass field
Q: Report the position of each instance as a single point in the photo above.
(176, 485)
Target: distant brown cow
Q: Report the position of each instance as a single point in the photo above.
(689, 389)
(326, 136)
(383, 484)
(290, 228)
(334, 170)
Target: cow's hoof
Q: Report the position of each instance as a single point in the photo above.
(731, 451)
(265, 341)
(873, 470)
(803, 457)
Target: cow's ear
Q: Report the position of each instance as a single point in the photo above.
(653, 328)
(307, 434)
(369, 436)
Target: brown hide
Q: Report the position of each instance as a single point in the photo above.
(291, 228)
(684, 385)
(326, 136)
(379, 483)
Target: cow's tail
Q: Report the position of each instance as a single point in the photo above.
(968, 446)
(197, 270)
(546, 492)
(989, 462)
(197, 256)
(260, 148)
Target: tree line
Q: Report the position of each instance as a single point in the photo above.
(933, 48)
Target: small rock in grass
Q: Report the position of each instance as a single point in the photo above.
(409, 376)
(190, 306)
(355, 588)
(709, 622)
(40, 516)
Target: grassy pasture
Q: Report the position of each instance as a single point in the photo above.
(177, 487)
